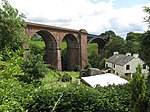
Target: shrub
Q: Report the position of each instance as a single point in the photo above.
(115, 98)
(88, 66)
(35, 49)
(34, 68)
(139, 101)
(73, 98)
(66, 78)
(14, 95)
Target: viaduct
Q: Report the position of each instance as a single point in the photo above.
(76, 40)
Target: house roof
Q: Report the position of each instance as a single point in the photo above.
(104, 80)
(120, 59)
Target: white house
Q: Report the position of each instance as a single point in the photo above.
(125, 65)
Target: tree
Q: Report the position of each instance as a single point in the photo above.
(138, 92)
(145, 54)
(146, 40)
(117, 44)
(134, 37)
(147, 18)
(12, 34)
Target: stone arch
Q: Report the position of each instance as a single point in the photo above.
(72, 55)
(50, 48)
(101, 44)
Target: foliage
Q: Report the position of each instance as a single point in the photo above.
(134, 37)
(133, 44)
(109, 32)
(35, 49)
(147, 18)
(96, 61)
(133, 47)
(36, 37)
(117, 44)
(80, 98)
(12, 34)
(145, 47)
(138, 92)
(64, 59)
(115, 98)
(88, 66)
(66, 78)
(34, 68)
(11, 66)
(14, 95)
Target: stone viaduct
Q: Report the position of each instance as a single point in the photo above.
(76, 40)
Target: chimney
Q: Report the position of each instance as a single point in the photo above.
(116, 53)
(128, 54)
(136, 55)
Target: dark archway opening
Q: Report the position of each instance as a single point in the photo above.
(46, 41)
(70, 53)
(95, 53)
(100, 42)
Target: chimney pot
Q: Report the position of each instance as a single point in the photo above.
(128, 54)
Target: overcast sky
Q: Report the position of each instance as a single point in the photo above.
(96, 16)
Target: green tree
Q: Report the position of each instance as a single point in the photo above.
(117, 44)
(134, 37)
(12, 34)
(109, 32)
(145, 44)
(34, 68)
(146, 40)
(138, 92)
(147, 18)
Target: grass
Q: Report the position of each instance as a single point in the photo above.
(41, 44)
(52, 78)
(91, 47)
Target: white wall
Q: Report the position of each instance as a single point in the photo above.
(121, 70)
(133, 64)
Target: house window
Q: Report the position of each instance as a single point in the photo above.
(127, 67)
(114, 65)
(144, 66)
(128, 74)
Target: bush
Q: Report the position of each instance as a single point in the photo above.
(80, 98)
(73, 98)
(35, 49)
(95, 60)
(66, 78)
(34, 68)
(88, 66)
(115, 98)
(14, 95)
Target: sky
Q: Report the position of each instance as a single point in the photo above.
(96, 16)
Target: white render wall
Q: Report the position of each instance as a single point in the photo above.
(121, 70)
(133, 64)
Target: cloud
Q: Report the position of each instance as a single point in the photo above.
(96, 16)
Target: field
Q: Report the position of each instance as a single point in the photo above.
(92, 47)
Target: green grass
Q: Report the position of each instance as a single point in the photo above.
(91, 47)
(41, 44)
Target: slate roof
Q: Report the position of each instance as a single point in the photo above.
(120, 59)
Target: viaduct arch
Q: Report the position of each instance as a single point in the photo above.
(53, 36)
(100, 40)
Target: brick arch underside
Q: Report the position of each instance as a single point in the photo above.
(50, 48)
(101, 44)
(72, 52)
